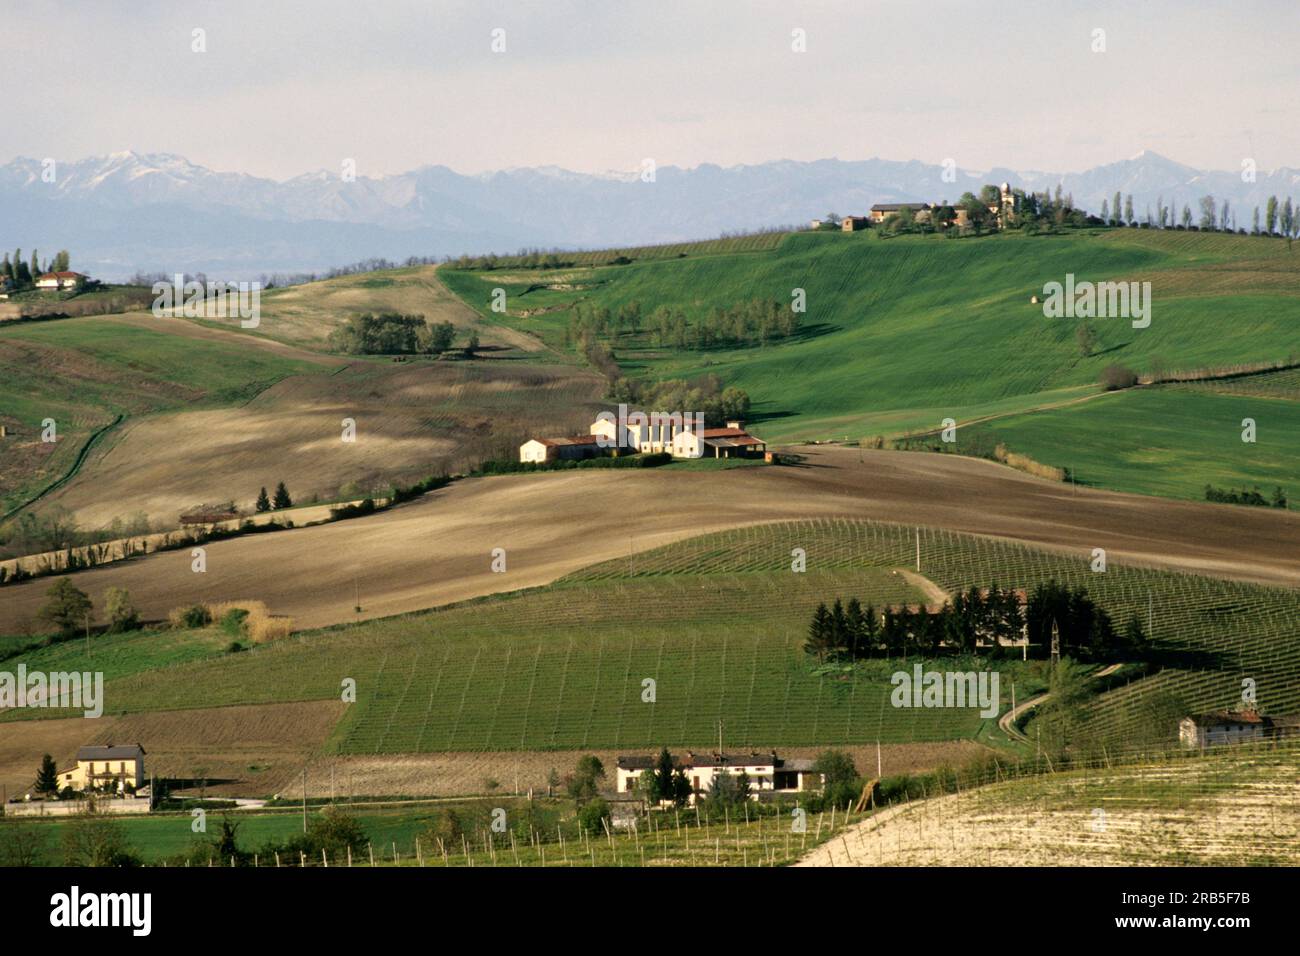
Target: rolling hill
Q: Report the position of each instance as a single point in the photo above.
(902, 333)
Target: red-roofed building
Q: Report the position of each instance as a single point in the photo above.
(61, 280)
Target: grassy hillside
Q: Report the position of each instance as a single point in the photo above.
(717, 622)
(86, 373)
(902, 333)
(1168, 440)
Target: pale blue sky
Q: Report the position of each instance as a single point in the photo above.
(288, 87)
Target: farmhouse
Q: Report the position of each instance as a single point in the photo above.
(682, 436)
(769, 776)
(730, 442)
(60, 280)
(209, 515)
(1233, 727)
(544, 450)
(119, 767)
(883, 210)
(854, 223)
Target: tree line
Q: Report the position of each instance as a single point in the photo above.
(1231, 496)
(993, 620)
(392, 333)
(23, 274)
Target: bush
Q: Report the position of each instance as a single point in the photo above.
(1115, 377)
(594, 815)
(122, 614)
(195, 616)
(232, 622)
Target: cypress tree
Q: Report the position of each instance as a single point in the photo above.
(263, 502)
(282, 499)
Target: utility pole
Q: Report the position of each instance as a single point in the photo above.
(1056, 644)
(720, 750)
(918, 550)
(304, 799)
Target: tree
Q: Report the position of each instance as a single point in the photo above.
(121, 613)
(22, 842)
(1087, 339)
(1207, 213)
(661, 787)
(47, 777)
(1114, 210)
(821, 636)
(583, 784)
(263, 502)
(1128, 208)
(36, 269)
(61, 261)
(281, 499)
(92, 839)
(439, 338)
(1270, 215)
(839, 776)
(66, 606)
(594, 815)
(472, 345)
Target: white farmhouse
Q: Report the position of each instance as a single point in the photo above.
(769, 775)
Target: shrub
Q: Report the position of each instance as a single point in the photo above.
(122, 614)
(195, 616)
(1115, 377)
(594, 815)
(232, 622)
(256, 621)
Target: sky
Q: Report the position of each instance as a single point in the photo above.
(288, 87)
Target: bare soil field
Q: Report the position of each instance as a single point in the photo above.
(475, 773)
(412, 420)
(438, 549)
(243, 750)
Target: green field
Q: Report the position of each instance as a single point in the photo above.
(902, 333)
(542, 832)
(1168, 440)
(718, 622)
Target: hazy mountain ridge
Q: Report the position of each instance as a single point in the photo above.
(159, 212)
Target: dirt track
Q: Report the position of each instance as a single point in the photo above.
(438, 549)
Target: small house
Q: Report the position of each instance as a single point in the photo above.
(55, 281)
(118, 766)
(1223, 727)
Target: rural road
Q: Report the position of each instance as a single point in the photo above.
(1007, 722)
(438, 549)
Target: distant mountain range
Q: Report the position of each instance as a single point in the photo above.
(128, 212)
